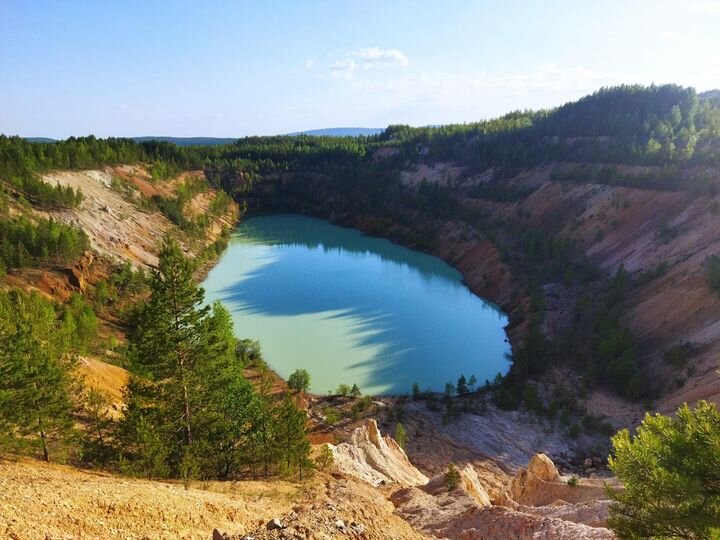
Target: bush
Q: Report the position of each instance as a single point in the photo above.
(670, 473)
(325, 458)
(299, 380)
(679, 354)
(332, 416)
(452, 477)
(572, 481)
(343, 390)
(400, 435)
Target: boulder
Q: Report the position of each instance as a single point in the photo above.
(274, 524)
(375, 458)
(543, 467)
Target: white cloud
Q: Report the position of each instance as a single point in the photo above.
(375, 57)
(310, 63)
(367, 59)
(711, 7)
(343, 69)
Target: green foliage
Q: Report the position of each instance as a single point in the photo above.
(190, 411)
(713, 272)
(35, 383)
(332, 416)
(97, 447)
(679, 354)
(299, 380)
(325, 458)
(401, 435)
(25, 242)
(572, 481)
(452, 477)
(670, 473)
(416, 395)
(462, 387)
(355, 391)
(81, 323)
(248, 350)
(343, 390)
(292, 437)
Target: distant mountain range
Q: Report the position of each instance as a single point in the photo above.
(211, 141)
(341, 132)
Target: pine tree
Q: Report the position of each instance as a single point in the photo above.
(400, 435)
(462, 388)
(34, 371)
(170, 343)
(292, 436)
(669, 470)
(187, 370)
(96, 406)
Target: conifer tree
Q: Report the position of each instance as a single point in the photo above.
(34, 371)
(292, 436)
(189, 409)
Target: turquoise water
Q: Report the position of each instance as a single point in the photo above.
(354, 309)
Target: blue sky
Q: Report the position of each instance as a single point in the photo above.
(234, 68)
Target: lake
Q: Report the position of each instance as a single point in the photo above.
(350, 308)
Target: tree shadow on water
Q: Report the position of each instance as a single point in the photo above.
(409, 334)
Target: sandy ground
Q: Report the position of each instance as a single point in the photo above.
(49, 502)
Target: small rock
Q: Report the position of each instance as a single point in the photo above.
(588, 462)
(340, 524)
(590, 470)
(217, 535)
(357, 528)
(597, 461)
(274, 524)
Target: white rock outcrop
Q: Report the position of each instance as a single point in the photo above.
(376, 459)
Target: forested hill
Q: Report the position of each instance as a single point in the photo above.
(412, 184)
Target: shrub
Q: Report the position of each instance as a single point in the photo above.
(342, 390)
(400, 435)
(332, 416)
(452, 477)
(325, 458)
(678, 355)
(670, 474)
(299, 380)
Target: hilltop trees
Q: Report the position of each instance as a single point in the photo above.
(671, 474)
(25, 242)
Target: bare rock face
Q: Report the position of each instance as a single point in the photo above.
(471, 484)
(77, 274)
(543, 467)
(376, 459)
(540, 484)
(538, 503)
